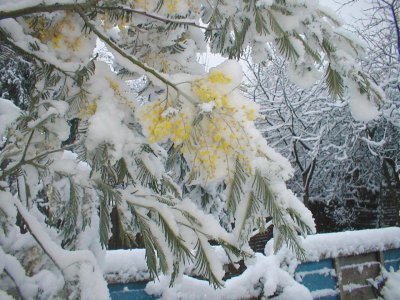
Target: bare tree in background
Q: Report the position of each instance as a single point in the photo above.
(346, 171)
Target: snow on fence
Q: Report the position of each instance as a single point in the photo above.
(337, 265)
(341, 265)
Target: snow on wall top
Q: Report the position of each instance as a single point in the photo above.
(331, 245)
(130, 265)
(126, 266)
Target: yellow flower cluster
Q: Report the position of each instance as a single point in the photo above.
(194, 6)
(218, 77)
(211, 141)
(161, 125)
(88, 110)
(158, 61)
(215, 143)
(54, 33)
(171, 6)
(108, 23)
(140, 4)
(89, 107)
(207, 90)
(222, 136)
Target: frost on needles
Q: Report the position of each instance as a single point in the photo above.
(169, 146)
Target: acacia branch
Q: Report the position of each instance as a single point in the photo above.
(49, 247)
(23, 212)
(79, 8)
(43, 8)
(21, 161)
(27, 145)
(31, 161)
(184, 22)
(125, 55)
(18, 288)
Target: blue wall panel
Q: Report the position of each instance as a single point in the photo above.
(392, 259)
(318, 276)
(312, 266)
(327, 298)
(129, 291)
(315, 282)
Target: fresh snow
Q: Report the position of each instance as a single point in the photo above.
(361, 109)
(8, 114)
(207, 107)
(126, 266)
(324, 271)
(262, 275)
(391, 290)
(350, 243)
(324, 293)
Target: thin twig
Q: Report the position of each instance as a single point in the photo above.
(44, 9)
(27, 145)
